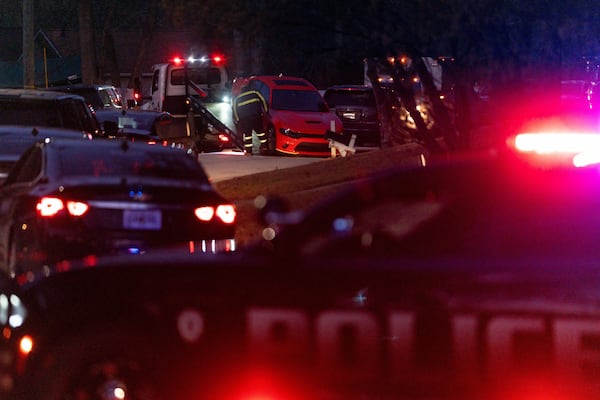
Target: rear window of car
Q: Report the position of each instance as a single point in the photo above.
(298, 100)
(358, 98)
(90, 161)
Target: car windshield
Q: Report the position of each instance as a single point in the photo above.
(297, 100)
(76, 161)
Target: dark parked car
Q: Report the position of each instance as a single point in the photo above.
(16, 139)
(475, 278)
(98, 96)
(33, 107)
(356, 107)
(116, 121)
(68, 199)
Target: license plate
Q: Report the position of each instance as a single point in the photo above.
(142, 219)
(349, 115)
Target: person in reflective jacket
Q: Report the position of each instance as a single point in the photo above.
(248, 110)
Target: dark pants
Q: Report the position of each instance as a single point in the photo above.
(245, 128)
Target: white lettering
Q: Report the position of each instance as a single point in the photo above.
(348, 345)
(277, 333)
(500, 340)
(572, 354)
(401, 345)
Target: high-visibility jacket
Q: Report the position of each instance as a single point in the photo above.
(248, 104)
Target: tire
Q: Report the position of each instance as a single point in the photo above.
(270, 147)
(99, 362)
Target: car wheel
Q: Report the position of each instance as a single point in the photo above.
(96, 365)
(270, 146)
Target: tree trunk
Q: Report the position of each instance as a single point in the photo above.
(89, 72)
(28, 46)
(147, 34)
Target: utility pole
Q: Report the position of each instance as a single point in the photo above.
(28, 45)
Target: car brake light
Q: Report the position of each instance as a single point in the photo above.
(51, 206)
(77, 208)
(227, 213)
(204, 213)
(26, 345)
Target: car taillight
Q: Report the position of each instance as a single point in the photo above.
(51, 206)
(204, 213)
(225, 212)
(77, 208)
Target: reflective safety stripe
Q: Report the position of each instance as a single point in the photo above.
(262, 137)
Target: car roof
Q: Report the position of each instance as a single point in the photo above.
(107, 144)
(35, 94)
(77, 86)
(38, 131)
(285, 82)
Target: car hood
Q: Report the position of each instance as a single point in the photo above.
(314, 122)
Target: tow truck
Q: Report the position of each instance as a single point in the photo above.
(183, 87)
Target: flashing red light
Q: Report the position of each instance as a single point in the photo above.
(178, 60)
(218, 59)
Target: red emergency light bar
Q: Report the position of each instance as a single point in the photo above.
(215, 59)
(581, 148)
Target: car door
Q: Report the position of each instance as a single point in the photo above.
(12, 204)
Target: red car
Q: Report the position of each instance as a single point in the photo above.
(298, 117)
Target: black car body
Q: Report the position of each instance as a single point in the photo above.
(33, 107)
(135, 124)
(16, 139)
(69, 199)
(356, 107)
(479, 280)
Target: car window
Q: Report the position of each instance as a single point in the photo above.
(155, 81)
(28, 168)
(105, 98)
(76, 161)
(297, 100)
(43, 113)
